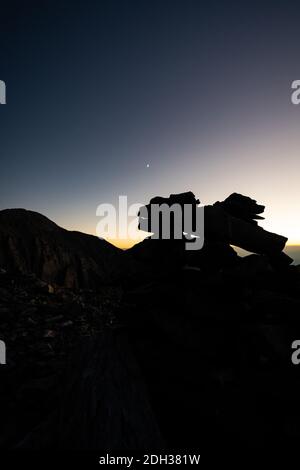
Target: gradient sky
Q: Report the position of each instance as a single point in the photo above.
(200, 91)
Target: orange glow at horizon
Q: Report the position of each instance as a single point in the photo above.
(121, 243)
(126, 244)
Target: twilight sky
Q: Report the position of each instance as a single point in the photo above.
(200, 91)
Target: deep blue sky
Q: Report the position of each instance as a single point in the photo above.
(200, 91)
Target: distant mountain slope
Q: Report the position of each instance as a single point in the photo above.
(31, 243)
(294, 252)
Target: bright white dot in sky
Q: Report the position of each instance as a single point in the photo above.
(148, 165)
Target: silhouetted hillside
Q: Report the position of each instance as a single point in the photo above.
(31, 243)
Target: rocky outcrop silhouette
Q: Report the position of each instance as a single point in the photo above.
(213, 333)
(230, 222)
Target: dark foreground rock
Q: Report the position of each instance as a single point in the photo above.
(216, 351)
(41, 325)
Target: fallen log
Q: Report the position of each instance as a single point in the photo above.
(103, 404)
